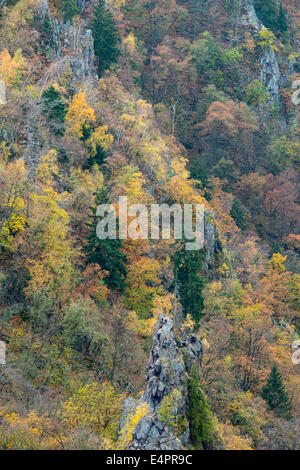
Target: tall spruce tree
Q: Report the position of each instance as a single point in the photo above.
(276, 396)
(106, 37)
(187, 267)
(238, 215)
(199, 414)
(282, 20)
(107, 253)
(267, 12)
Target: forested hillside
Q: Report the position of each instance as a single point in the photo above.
(173, 101)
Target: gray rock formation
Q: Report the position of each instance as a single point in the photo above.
(72, 47)
(270, 74)
(248, 16)
(212, 243)
(73, 44)
(2, 353)
(170, 361)
(2, 92)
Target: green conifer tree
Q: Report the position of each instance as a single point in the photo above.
(199, 414)
(275, 394)
(282, 20)
(187, 267)
(105, 36)
(107, 253)
(238, 215)
(267, 12)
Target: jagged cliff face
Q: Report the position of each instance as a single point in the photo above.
(72, 51)
(213, 245)
(269, 74)
(170, 362)
(72, 46)
(248, 15)
(2, 92)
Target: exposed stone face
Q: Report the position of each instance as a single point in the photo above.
(2, 353)
(2, 92)
(213, 244)
(270, 74)
(73, 44)
(72, 49)
(128, 409)
(165, 367)
(170, 361)
(248, 15)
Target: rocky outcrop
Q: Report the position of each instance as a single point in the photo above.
(71, 52)
(248, 16)
(170, 362)
(2, 92)
(72, 47)
(212, 243)
(2, 353)
(270, 74)
(73, 44)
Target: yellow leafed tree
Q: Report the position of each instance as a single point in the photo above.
(50, 266)
(79, 114)
(100, 138)
(12, 68)
(12, 202)
(267, 39)
(97, 407)
(48, 168)
(132, 421)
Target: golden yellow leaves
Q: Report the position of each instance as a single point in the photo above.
(12, 68)
(117, 3)
(50, 266)
(79, 114)
(48, 168)
(132, 184)
(24, 433)
(12, 202)
(143, 286)
(132, 421)
(99, 138)
(135, 189)
(277, 263)
(129, 43)
(97, 407)
(267, 39)
(180, 187)
(5, 153)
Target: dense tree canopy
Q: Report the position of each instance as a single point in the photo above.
(180, 102)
